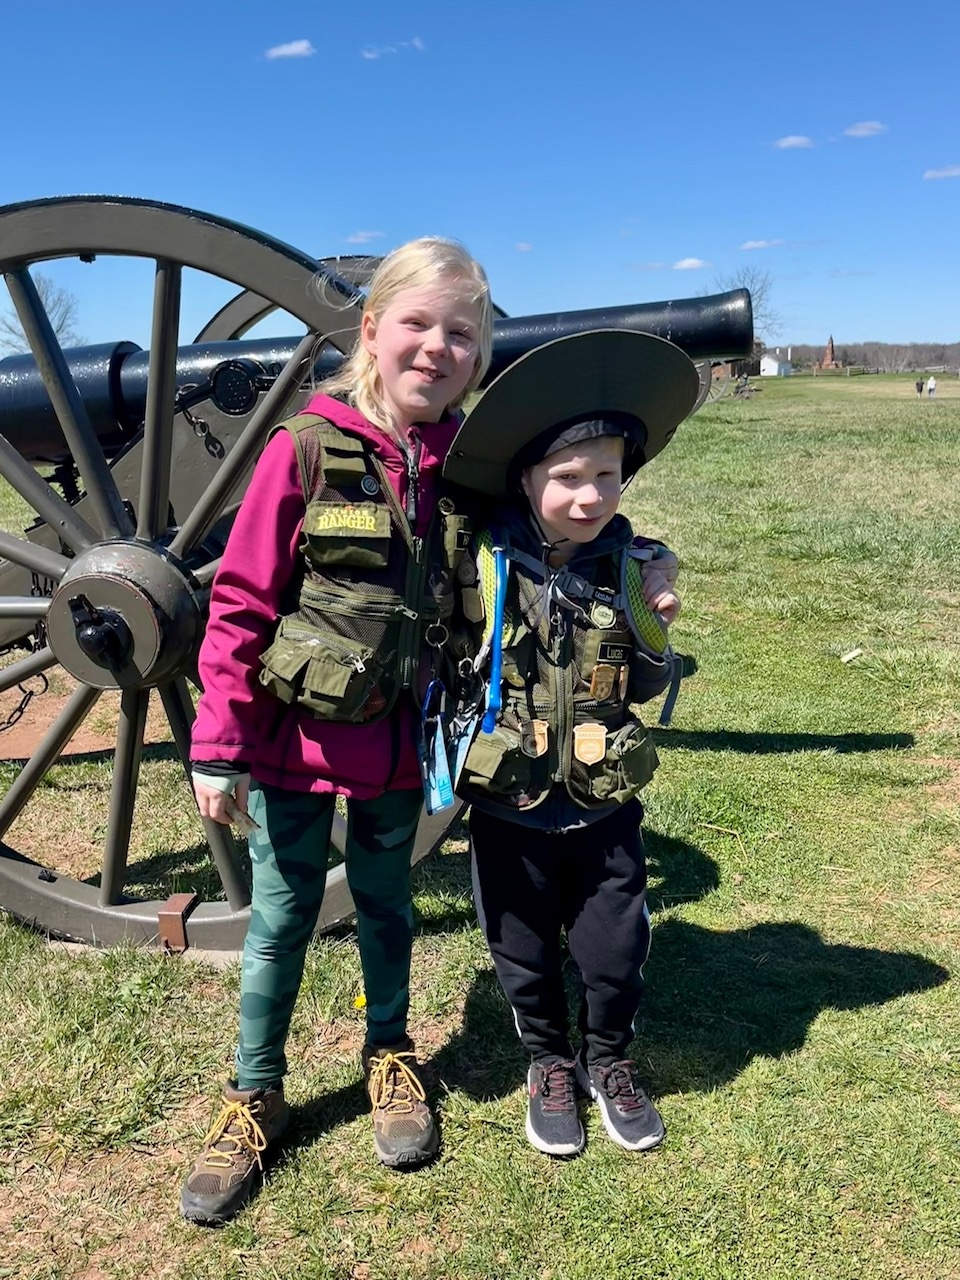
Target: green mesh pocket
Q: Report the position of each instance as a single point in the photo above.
(333, 678)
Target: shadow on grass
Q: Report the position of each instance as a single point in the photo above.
(318, 1116)
(715, 1001)
(781, 743)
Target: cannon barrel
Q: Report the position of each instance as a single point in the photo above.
(112, 377)
(715, 326)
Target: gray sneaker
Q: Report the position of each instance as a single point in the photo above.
(230, 1166)
(553, 1124)
(629, 1116)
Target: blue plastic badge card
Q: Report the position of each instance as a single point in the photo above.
(432, 750)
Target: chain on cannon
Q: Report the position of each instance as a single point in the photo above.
(133, 463)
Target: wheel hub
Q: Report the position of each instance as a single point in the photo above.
(125, 616)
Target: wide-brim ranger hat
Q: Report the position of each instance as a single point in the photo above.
(576, 378)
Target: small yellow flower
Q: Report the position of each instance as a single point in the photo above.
(360, 1002)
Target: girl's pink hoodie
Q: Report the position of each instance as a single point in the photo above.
(237, 719)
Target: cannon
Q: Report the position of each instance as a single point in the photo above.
(129, 465)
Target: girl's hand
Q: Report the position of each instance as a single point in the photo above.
(222, 802)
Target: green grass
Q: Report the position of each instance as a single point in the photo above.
(802, 1022)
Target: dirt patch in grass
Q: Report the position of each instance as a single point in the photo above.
(98, 731)
(121, 1210)
(946, 791)
(64, 822)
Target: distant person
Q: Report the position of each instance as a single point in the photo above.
(919, 386)
(931, 386)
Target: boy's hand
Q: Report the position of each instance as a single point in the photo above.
(659, 578)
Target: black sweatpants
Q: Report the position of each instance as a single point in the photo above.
(529, 886)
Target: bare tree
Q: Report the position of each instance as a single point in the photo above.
(766, 321)
(61, 307)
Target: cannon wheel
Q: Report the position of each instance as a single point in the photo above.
(713, 388)
(131, 576)
(245, 310)
(705, 374)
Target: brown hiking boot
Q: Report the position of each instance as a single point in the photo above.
(404, 1132)
(230, 1165)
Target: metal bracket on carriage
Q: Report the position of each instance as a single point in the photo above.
(172, 922)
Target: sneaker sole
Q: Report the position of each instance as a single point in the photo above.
(644, 1144)
(201, 1217)
(554, 1148)
(411, 1159)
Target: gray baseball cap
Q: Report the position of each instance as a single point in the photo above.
(572, 379)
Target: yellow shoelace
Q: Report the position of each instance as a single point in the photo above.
(247, 1137)
(399, 1093)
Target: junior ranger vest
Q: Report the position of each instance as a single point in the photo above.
(576, 656)
(372, 599)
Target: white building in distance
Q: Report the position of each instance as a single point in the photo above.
(775, 366)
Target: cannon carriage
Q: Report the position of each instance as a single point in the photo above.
(132, 463)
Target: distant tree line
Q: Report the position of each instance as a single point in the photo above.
(888, 357)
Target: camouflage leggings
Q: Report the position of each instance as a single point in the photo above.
(289, 856)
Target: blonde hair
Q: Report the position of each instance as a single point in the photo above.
(418, 263)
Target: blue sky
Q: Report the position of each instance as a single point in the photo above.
(588, 154)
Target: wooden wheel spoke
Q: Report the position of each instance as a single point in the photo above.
(63, 519)
(24, 608)
(179, 708)
(70, 410)
(33, 665)
(211, 505)
(33, 556)
(123, 792)
(161, 394)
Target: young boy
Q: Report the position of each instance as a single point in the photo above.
(554, 774)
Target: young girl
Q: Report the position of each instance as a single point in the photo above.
(327, 621)
(554, 773)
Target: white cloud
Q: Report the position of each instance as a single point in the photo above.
(760, 244)
(295, 49)
(372, 52)
(950, 171)
(690, 264)
(793, 142)
(865, 129)
(363, 237)
(523, 246)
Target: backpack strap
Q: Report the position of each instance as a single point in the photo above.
(644, 623)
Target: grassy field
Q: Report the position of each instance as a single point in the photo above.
(802, 1028)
